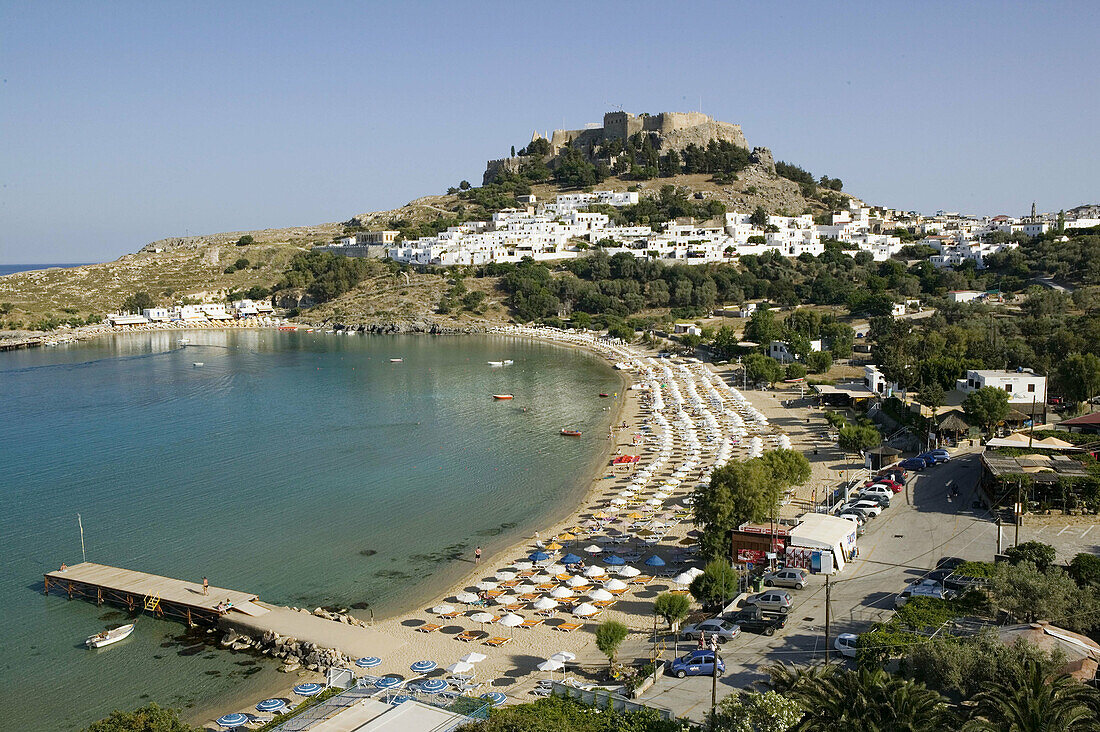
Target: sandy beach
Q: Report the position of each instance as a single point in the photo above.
(680, 418)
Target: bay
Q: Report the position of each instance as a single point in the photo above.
(304, 467)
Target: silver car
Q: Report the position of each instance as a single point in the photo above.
(724, 629)
(778, 601)
(791, 577)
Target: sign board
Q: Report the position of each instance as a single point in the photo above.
(751, 555)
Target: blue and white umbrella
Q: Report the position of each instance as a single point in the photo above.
(400, 699)
(655, 561)
(270, 705)
(494, 697)
(423, 667)
(615, 560)
(570, 559)
(387, 682)
(538, 556)
(308, 689)
(368, 662)
(433, 686)
(232, 720)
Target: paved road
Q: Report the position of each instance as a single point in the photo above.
(906, 540)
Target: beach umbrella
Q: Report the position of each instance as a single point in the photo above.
(694, 571)
(387, 682)
(443, 609)
(614, 509)
(561, 593)
(544, 603)
(577, 581)
(433, 686)
(232, 720)
(483, 617)
(655, 561)
(591, 524)
(460, 667)
(627, 494)
(600, 515)
(368, 662)
(308, 689)
(270, 705)
(566, 536)
(400, 699)
(643, 532)
(564, 656)
(653, 502)
(504, 575)
(571, 559)
(538, 556)
(473, 657)
(495, 698)
(556, 568)
(614, 560)
(507, 600)
(593, 549)
(510, 620)
(550, 664)
(684, 578)
(600, 594)
(585, 609)
(423, 667)
(486, 585)
(467, 597)
(522, 565)
(594, 572)
(614, 584)
(554, 547)
(635, 515)
(618, 501)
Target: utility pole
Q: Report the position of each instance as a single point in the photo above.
(1019, 509)
(714, 677)
(828, 598)
(998, 534)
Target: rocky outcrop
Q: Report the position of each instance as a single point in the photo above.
(762, 157)
(293, 653)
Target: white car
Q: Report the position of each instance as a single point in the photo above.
(878, 489)
(923, 588)
(867, 507)
(854, 518)
(846, 644)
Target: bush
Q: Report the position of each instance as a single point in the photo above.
(818, 362)
(1085, 569)
(795, 371)
(245, 240)
(1040, 554)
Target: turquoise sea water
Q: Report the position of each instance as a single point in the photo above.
(304, 467)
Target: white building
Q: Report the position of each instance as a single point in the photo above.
(156, 315)
(1023, 385)
(119, 320)
(782, 352)
(874, 380)
(965, 295)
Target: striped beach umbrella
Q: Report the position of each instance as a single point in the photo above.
(387, 682)
(433, 686)
(423, 667)
(368, 662)
(308, 689)
(270, 705)
(494, 697)
(232, 720)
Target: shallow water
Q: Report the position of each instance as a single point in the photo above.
(305, 467)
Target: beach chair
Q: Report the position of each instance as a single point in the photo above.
(567, 627)
(642, 579)
(428, 628)
(604, 603)
(498, 641)
(515, 606)
(451, 615)
(494, 593)
(526, 573)
(468, 635)
(618, 592)
(509, 583)
(531, 623)
(528, 596)
(547, 586)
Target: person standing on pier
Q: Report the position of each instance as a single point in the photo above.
(205, 586)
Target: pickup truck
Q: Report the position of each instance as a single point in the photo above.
(752, 620)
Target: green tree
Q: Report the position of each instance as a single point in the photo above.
(987, 406)
(718, 583)
(795, 371)
(818, 362)
(789, 467)
(1085, 569)
(759, 217)
(753, 711)
(1035, 700)
(855, 438)
(1027, 594)
(672, 607)
(725, 342)
(762, 328)
(761, 368)
(1078, 376)
(241, 263)
(931, 395)
(138, 301)
(245, 240)
(609, 636)
(151, 718)
(1040, 554)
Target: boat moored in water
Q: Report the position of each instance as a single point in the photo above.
(396, 360)
(571, 433)
(503, 396)
(108, 637)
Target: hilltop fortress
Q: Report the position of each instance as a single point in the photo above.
(666, 131)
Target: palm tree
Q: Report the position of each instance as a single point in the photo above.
(1032, 701)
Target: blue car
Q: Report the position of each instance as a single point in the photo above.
(696, 663)
(940, 454)
(914, 463)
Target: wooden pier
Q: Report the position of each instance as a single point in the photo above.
(163, 596)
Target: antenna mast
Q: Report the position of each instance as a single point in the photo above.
(79, 522)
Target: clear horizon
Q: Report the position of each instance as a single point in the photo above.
(134, 122)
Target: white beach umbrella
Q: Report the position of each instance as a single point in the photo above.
(555, 569)
(618, 501)
(544, 577)
(593, 549)
(577, 581)
(443, 609)
(585, 609)
(507, 600)
(614, 584)
(510, 620)
(561, 593)
(564, 657)
(504, 575)
(467, 597)
(544, 603)
(600, 594)
(550, 664)
(683, 579)
(594, 572)
(523, 565)
(653, 502)
(628, 571)
(460, 667)
(482, 617)
(473, 657)
(486, 585)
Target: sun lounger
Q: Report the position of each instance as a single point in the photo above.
(515, 606)
(494, 593)
(531, 623)
(509, 583)
(604, 603)
(678, 592)
(526, 573)
(451, 615)
(618, 592)
(567, 627)
(498, 641)
(642, 579)
(468, 635)
(429, 628)
(547, 586)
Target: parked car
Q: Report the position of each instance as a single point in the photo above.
(923, 588)
(881, 500)
(724, 629)
(895, 474)
(932, 459)
(696, 663)
(776, 600)
(915, 464)
(754, 620)
(855, 518)
(791, 577)
(941, 454)
(865, 506)
(878, 489)
(846, 644)
(893, 485)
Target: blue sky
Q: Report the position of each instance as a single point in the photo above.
(121, 123)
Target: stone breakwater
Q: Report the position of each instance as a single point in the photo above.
(295, 654)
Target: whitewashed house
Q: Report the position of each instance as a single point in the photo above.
(1023, 385)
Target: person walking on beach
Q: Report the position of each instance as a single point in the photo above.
(477, 555)
(205, 586)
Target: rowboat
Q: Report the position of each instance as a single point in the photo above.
(502, 396)
(496, 363)
(508, 363)
(108, 637)
(604, 394)
(396, 360)
(571, 433)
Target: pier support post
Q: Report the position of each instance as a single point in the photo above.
(99, 596)
(47, 582)
(70, 590)
(189, 623)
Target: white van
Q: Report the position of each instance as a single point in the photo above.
(923, 588)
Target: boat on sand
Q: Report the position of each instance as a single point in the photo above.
(108, 637)
(570, 433)
(503, 396)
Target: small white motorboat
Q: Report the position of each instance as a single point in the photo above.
(396, 360)
(198, 364)
(496, 363)
(508, 363)
(108, 637)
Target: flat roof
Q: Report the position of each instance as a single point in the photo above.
(823, 529)
(375, 715)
